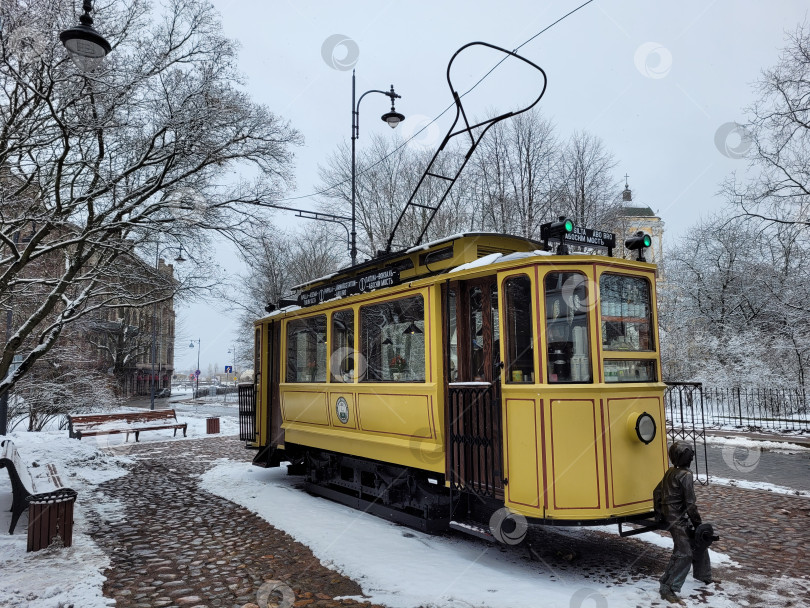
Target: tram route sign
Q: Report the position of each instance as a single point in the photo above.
(583, 236)
(369, 281)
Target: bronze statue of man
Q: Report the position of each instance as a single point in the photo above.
(675, 505)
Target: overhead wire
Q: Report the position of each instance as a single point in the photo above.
(443, 112)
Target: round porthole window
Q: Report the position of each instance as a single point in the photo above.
(645, 428)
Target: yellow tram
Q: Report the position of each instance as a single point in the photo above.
(438, 385)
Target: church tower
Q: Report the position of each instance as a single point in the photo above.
(634, 217)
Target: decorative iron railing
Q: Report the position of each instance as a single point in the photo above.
(247, 412)
(475, 438)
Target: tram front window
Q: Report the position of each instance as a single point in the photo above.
(518, 332)
(626, 313)
(392, 341)
(626, 310)
(567, 327)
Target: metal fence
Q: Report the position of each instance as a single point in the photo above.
(762, 408)
(212, 390)
(686, 421)
(784, 409)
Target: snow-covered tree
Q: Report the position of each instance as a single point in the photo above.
(136, 156)
(733, 308)
(776, 188)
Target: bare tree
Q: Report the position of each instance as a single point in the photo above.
(778, 130)
(96, 168)
(386, 175)
(513, 176)
(586, 188)
(280, 260)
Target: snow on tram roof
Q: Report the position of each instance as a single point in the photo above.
(497, 258)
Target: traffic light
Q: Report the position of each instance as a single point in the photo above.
(640, 241)
(558, 230)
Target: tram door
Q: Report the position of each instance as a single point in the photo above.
(474, 396)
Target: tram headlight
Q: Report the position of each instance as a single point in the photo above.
(644, 427)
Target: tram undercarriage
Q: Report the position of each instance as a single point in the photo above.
(416, 498)
(408, 496)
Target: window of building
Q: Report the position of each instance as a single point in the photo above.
(518, 331)
(392, 341)
(626, 313)
(306, 349)
(341, 360)
(567, 327)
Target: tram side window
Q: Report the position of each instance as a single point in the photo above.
(342, 358)
(392, 340)
(567, 327)
(518, 331)
(306, 350)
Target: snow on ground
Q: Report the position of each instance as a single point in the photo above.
(53, 578)
(400, 567)
(757, 485)
(755, 444)
(394, 565)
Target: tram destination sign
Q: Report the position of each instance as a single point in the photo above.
(582, 236)
(387, 277)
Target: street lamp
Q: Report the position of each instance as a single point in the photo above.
(392, 118)
(86, 46)
(197, 369)
(178, 259)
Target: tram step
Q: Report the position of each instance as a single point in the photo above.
(473, 528)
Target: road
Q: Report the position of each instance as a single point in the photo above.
(756, 464)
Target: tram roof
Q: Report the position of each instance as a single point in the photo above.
(459, 252)
(433, 257)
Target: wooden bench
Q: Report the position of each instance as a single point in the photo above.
(124, 422)
(43, 479)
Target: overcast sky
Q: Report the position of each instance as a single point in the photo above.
(660, 83)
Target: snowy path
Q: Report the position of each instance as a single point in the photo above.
(191, 523)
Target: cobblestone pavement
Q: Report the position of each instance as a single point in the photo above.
(175, 545)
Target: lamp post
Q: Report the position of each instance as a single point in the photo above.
(178, 259)
(86, 46)
(392, 118)
(197, 369)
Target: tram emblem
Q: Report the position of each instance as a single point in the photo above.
(342, 410)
